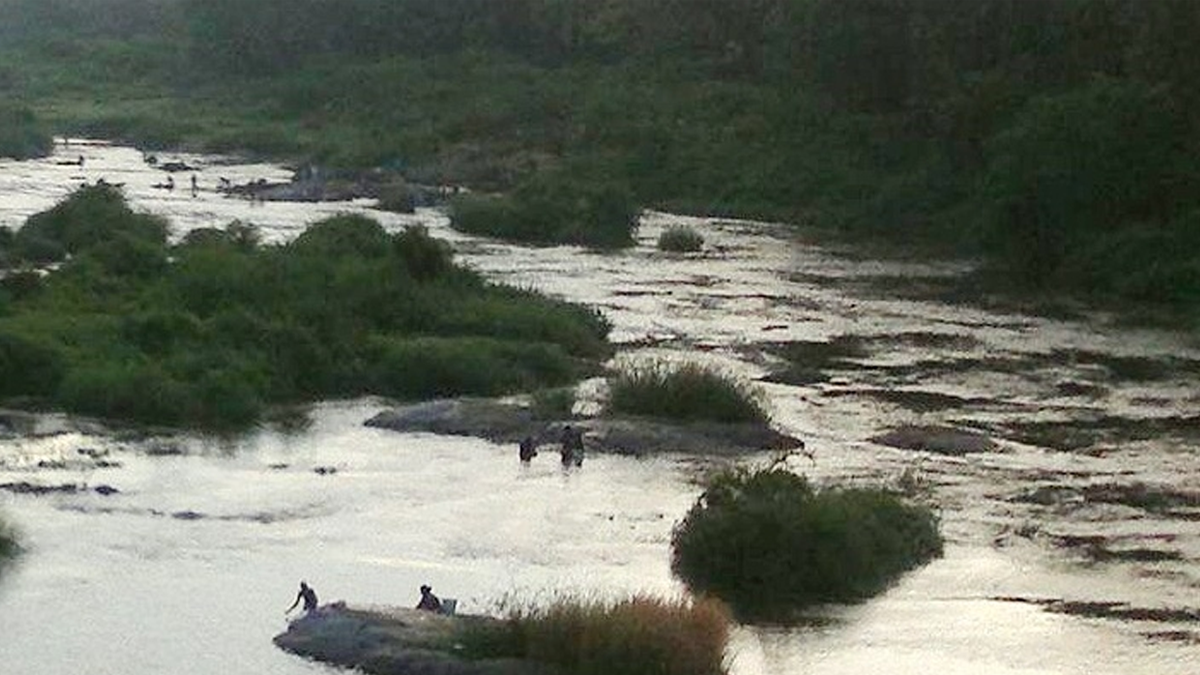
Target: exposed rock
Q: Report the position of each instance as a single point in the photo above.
(936, 439)
(26, 488)
(393, 641)
(509, 423)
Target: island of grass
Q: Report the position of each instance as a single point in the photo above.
(211, 332)
(652, 408)
(769, 544)
(571, 636)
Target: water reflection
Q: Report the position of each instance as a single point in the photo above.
(188, 567)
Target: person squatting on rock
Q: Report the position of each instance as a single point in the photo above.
(308, 595)
(572, 446)
(429, 601)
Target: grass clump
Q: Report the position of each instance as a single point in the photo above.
(769, 544)
(680, 239)
(636, 636)
(553, 210)
(686, 392)
(214, 331)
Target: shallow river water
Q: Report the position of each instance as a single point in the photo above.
(1073, 546)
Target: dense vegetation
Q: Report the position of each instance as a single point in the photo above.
(211, 331)
(21, 135)
(637, 635)
(769, 544)
(686, 392)
(680, 239)
(1056, 138)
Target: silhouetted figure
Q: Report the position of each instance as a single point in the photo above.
(429, 601)
(308, 596)
(195, 185)
(572, 446)
(528, 449)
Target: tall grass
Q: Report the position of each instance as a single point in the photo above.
(688, 392)
(641, 635)
(680, 239)
(769, 544)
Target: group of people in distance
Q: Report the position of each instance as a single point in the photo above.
(571, 449)
(570, 442)
(429, 602)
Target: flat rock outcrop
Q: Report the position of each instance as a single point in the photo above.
(502, 422)
(393, 641)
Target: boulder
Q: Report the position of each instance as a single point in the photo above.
(937, 439)
(393, 641)
(503, 422)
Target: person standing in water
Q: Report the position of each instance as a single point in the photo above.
(572, 446)
(308, 596)
(528, 449)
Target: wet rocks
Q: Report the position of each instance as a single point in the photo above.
(936, 439)
(27, 488)
(392, 641)
(508, 423)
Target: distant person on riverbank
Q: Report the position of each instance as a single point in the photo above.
(572, 446)
(429, 601)
(528, 449)
(308, 596)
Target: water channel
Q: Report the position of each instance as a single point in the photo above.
(1073, 546)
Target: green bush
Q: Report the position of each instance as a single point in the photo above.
(553, 209)
(638, 635)
(769, 544)
(680, 239)
(22, 136)
(430, 367)
(687, 392)
(92, 216)
(212, 332)
(28, 367)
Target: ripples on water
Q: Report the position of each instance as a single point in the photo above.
(189, 565)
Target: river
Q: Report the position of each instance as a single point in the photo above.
(1071, 548)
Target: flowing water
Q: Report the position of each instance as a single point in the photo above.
(1072, 546)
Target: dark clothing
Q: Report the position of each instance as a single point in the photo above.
(528, 449)
(429, 602)
(572, 446)
(308, 596)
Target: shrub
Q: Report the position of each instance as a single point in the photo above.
(684, 392)
(28, 367)
(90, 216)
(769, 544)
(553, 404)
(445, 366)
(553, 209)
(223, 328)
(345, 235)
(680, 239)
(634, 636)
(21, 135)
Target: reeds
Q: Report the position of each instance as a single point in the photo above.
(689, 392)
(634, 636)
